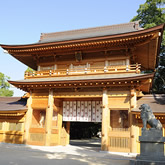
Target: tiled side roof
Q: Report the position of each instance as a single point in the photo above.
(156, 102)
(12, 104)
(90, 32)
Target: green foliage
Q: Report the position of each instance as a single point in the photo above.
(29, 70)
(152, 13)
(4, 86)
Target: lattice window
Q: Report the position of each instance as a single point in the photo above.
(37, 137)
(12, 126)
(18, 126)
(47, 67)
(117, 62)
(15, 126)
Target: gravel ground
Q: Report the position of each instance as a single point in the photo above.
(77, 153)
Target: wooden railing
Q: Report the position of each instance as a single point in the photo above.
(135, 68)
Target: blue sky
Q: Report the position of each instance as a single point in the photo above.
(22, 22)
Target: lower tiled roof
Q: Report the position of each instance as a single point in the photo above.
(12, 104)
(84, 77)
(156, 102)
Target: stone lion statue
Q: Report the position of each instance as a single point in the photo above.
(148, 117)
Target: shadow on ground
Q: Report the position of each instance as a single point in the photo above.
(84, 154)
(91, 144)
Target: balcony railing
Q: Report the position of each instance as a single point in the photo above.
(135, 68)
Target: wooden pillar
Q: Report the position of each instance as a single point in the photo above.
(60, 124)
(49, 116)
(133, 98)
(105, 121)
(39, 68)
(133, 130)
(68, 132)
(28, 118)
(5, 128)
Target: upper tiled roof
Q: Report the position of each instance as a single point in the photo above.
(12, 104)
(90, 32)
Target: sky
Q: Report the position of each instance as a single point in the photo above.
(22, 22)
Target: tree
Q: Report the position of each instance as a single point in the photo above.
(150, 14)
(4, 86)
(29, 70)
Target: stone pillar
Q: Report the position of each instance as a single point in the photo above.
(49, 116)
(105, 121)
(151, 148)
(28, 118)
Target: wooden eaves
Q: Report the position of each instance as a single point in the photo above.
(27, 53)
(136, 81)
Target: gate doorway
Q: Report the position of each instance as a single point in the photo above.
(84, 118)
(86, 135)
(83, 130)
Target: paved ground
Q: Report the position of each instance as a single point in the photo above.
(77, 153)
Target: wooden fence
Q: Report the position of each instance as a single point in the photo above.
(119, 140)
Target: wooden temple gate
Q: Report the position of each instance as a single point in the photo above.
(90, 110)
(97, 78)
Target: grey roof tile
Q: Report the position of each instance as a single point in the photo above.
(90, 32)
(83, 77)
(12, 103)
(155, 101)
